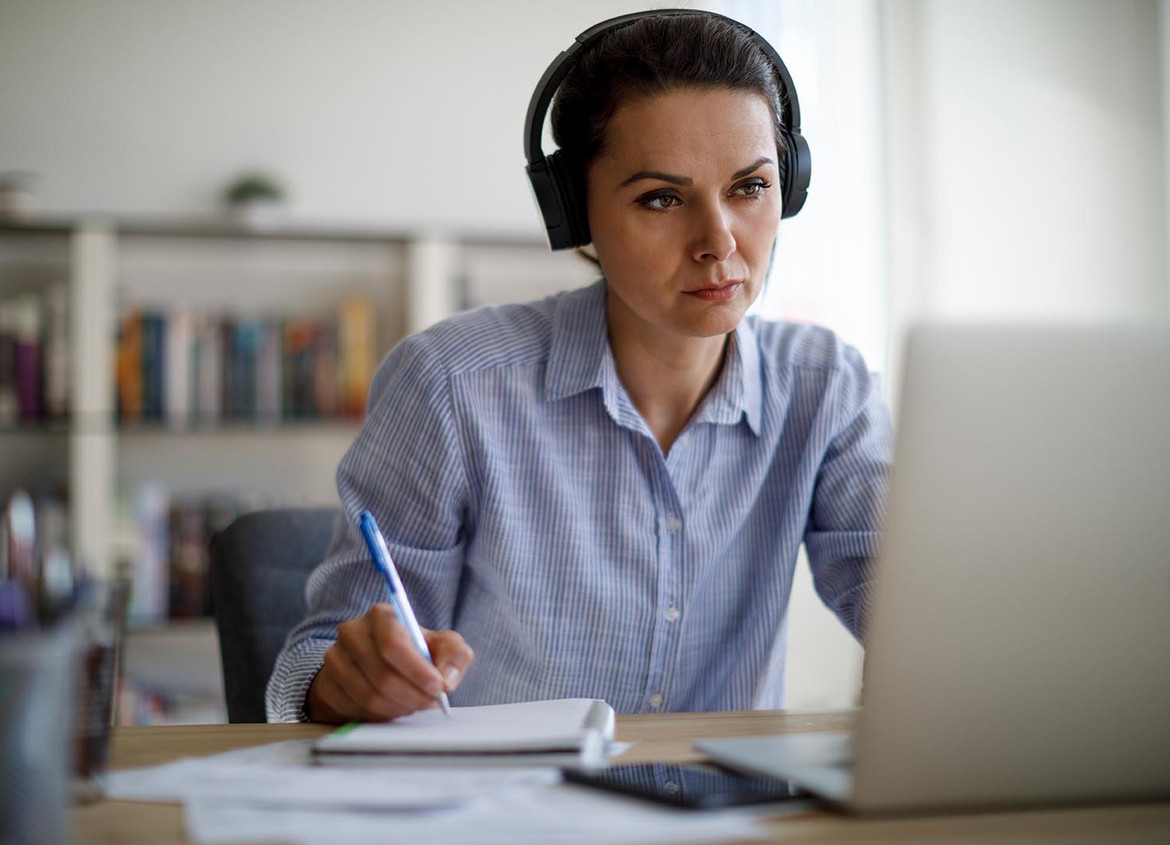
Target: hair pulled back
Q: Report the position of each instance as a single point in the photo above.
(650, 57)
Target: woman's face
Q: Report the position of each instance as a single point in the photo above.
(684, 203)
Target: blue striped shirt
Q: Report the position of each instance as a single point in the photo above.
(528, 506)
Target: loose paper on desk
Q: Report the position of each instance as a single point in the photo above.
(558, 814)
(565, 732)
(280, 776)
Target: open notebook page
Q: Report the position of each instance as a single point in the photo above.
(557, 725)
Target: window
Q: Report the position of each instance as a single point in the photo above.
(831, 259)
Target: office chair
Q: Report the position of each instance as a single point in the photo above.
(259, 565)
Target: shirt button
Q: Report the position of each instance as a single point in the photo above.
(656, 700)
(673, 523)
(671, 787)
(671, 614)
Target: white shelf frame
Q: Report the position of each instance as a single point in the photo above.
(92, 443)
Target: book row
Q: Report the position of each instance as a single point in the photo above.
(163, 545)
(184, 366)
(34, 357)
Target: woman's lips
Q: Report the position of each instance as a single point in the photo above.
(716, 294)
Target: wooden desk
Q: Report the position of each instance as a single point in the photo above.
(665, 737)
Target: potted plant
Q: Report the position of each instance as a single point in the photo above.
(256, 200)
(16, 194)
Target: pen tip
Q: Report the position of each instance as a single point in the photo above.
(445, 704)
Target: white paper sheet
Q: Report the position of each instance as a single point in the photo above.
(280, 775)
(561, 814)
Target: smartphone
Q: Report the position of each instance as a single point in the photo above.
(695, 785)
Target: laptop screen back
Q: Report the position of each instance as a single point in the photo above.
(1019, 640)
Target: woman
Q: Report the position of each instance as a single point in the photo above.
(605, 491)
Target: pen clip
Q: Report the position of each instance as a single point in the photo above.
(376, 544)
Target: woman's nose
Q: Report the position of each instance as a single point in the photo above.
(714, 240)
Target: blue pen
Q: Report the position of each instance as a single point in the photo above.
(382, 562)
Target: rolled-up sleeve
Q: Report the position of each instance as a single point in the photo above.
(849, 497)
(407, 468)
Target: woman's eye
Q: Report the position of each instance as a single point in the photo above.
(659, 201)
(753, 189)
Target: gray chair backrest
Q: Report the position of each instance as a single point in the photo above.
(259, 565)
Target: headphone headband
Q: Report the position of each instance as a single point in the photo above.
(563, 212)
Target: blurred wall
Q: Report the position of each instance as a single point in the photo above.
(387, 112)
(1026, 159)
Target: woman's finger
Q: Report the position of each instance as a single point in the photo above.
(452, 656)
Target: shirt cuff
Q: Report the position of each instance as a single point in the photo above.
(288, 688)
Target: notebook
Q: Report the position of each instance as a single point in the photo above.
(573, 732)
(1018, 639)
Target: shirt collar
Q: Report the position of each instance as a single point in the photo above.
(579, 342)
(737, 393)
(580, 359)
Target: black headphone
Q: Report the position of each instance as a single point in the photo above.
(564, 212)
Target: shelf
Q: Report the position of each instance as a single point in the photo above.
(62, 428)
(211, 265)
(179, 658)
(193, 627)
(41, 226)
(57, 428)
(241, 428)
(223, 228)
(201, 227)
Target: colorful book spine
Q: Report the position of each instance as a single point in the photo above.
(209, 371)
(56, 351)
(185, 366)
(246, 348)
(229, 366)
(190, 561)
(26, 325)
(153, 366)
(324, 370)
(178, 384)
(269, 381)
(9, 402)
(128, 361)
(150, 566)
(34, 356)
(298, 351)
(356, 349)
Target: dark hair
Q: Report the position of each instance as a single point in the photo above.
(649, 57)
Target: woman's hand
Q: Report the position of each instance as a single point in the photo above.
(374, 673)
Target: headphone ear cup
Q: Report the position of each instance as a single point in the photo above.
(797, 172)
(572, 197)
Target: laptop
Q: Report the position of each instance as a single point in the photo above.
(1018, 646)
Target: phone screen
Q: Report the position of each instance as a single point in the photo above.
(696, 785)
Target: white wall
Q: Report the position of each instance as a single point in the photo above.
(1026, 159)
(390, 112)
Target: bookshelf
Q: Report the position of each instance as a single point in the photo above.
(109, 265)
(98, 460)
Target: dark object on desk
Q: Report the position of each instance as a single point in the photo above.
(259, 565)
(696, 786)
(101, 616)
(38, 694)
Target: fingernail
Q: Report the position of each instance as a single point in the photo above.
(433, 688)
(452, 674)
